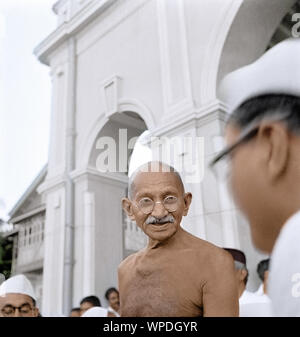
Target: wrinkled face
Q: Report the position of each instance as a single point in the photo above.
(249, 186)
(17, 305)
(85, 306)
(157, 186)
(114, 301)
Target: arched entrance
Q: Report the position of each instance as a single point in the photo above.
(102, 230)
(251, 32)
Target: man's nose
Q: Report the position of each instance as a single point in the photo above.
(17, 313)
(159, 210)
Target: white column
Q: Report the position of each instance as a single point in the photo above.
(174, 58)
(89, 244)
(227, 207)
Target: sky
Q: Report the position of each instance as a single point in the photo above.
(25, 96)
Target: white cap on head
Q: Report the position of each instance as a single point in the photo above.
(18, 284)
(96, 312)
(276, 72)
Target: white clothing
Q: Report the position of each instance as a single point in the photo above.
(18, 284)
(270, 74)
(96, 312)
(284, 276)
(255, 305)
(113, 311)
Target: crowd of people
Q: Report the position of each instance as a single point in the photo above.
(251, 304)
(90, 306)
(18, 299)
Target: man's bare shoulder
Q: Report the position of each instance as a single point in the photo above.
(208, 250)
(130, 261)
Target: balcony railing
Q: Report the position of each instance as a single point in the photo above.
(28, 251)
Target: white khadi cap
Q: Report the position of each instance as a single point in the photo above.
(96, 312)
(276, 72)
(18, 284)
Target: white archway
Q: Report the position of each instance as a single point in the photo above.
(241, 35)
(124, 105)
(251, 31)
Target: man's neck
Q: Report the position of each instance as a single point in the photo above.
(172, 241)
(279, 221)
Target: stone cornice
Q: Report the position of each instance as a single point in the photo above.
(200, 116)
(52, 183)
(28, 214)
(117, 178)
(63, 32)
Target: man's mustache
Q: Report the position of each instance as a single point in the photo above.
(153, 220)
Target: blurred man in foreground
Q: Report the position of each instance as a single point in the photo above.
(263, 156)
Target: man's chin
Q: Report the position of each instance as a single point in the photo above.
(261, 243)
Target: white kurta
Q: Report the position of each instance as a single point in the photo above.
(253, 305)
(248, 297)
(284, 277)
(113, 311)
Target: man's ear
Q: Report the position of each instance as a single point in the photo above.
(36, 312)
(243, 274)
(275, 137)
(127, 206)
(187, 201)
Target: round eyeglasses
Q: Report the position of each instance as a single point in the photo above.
(221, 164)
(9, 310)
(146, 205)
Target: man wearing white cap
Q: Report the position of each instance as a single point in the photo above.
(17, 298)
(97, 312)
(263, 150)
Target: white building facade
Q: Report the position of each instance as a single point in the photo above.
(137, 65)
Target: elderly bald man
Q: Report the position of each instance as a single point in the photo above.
(177, 274)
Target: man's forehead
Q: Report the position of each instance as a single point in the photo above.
(147, 182)
(144, 178)
(15, 298)
(86, 304)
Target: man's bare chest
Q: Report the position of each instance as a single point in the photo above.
(161, 290)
